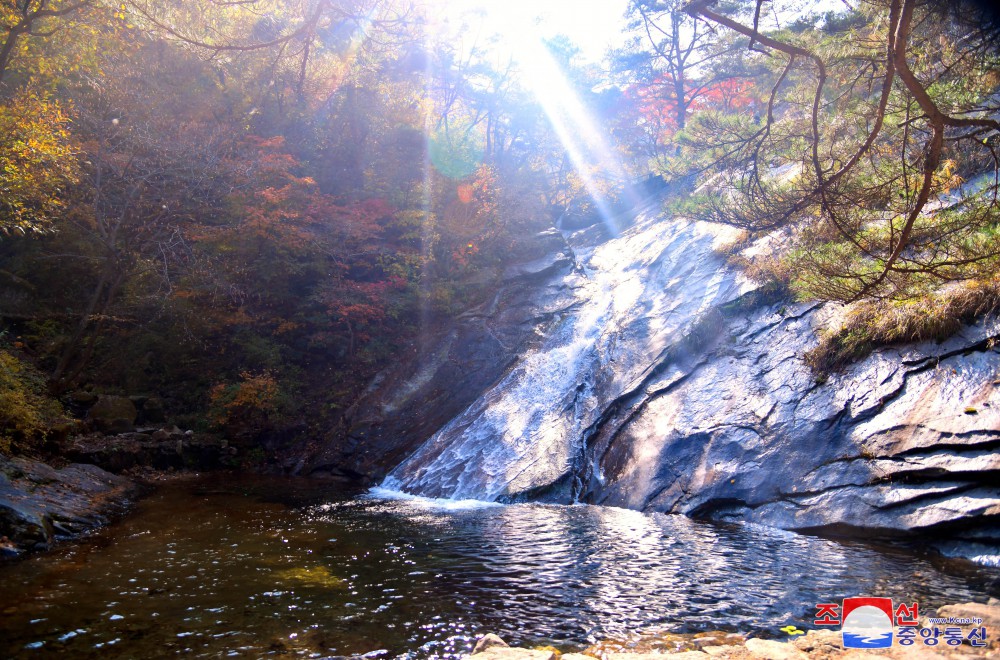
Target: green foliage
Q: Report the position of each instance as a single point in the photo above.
(872, 169)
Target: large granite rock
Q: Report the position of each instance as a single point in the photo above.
(40, 504)
(744, 431)
(654, 377)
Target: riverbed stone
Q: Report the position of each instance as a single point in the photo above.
(818, 640)
(772, 650)
(508, 653)
(723, 651)
(682, 655)
(988, 612)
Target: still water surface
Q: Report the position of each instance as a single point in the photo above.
(259, 567)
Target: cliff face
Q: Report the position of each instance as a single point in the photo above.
(642, 372)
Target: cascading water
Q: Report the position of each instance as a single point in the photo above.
(637, 297)
(671, 385)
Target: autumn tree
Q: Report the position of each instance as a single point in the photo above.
(37, 162)
(26, 23)
(152, 162)
(667, 66)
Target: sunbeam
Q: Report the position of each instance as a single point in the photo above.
(520, 32)
(575, 127)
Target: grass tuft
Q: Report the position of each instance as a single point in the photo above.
(871, 325)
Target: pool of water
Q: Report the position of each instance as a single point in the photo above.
(255, 567)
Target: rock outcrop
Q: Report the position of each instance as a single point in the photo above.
(645, 373)
(40, 504)
(161, 449)
(825, 644)
(113, 414)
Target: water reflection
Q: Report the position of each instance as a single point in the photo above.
(230, 571)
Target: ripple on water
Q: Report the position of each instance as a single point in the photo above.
(261, 566)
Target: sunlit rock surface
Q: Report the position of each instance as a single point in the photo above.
(664, 382)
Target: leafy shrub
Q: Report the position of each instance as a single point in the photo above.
(25, 409)
(249, 406)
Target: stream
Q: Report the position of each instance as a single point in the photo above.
(257, 566)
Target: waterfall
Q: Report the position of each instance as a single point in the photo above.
(637, 297)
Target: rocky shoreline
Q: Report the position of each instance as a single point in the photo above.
(94, 479)
(41, 505)
(825, 644)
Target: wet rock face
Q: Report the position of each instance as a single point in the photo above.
(903, 442)
(667, 383)
(445, 372)
(525, 436)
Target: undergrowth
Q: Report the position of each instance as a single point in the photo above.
(26, 410)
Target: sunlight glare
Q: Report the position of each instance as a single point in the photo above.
(521, 28)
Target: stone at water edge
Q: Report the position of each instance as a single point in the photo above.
(488, 641)
(989, 613)
(721, 651)
(771, 650)
(508, 653)
(683, 655)
(39, 504)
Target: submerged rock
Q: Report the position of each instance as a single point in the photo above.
(40, 504)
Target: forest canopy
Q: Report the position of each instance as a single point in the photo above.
(258, 205)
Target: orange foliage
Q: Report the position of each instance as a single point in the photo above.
(255, 395)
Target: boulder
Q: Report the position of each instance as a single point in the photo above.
(83, 398)
(40, 505)
(113, 414)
